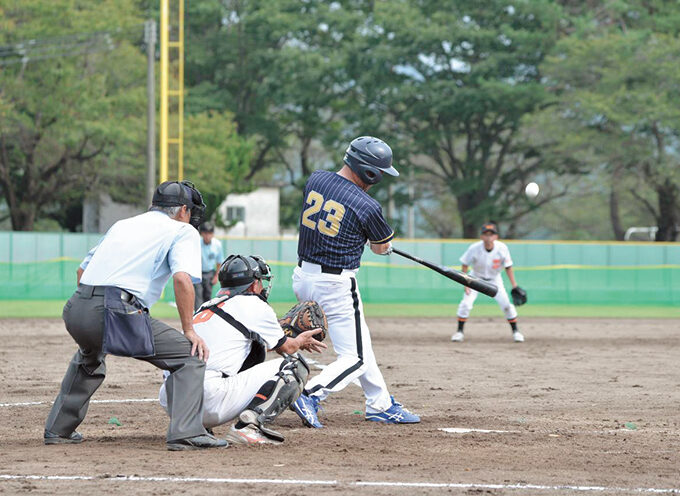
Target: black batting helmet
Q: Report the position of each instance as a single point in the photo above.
(370, 158)
(238, 272)
(175, 194)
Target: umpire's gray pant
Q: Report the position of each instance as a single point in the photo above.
(84, 318)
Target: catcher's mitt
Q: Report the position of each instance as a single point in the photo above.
(519, 296)
(303, 317)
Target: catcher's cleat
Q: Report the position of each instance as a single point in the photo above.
(396, 414)
(248, 435)
(458, 337)
(52, 438)
(256, 421)
(307, 407)
(197, 442)
(517, 337)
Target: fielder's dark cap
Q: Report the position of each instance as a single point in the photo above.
(206, 227)
(489, 227)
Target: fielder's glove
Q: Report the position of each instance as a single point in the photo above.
(303, 317)
(519, 296)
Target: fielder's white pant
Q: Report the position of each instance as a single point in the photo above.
(224, 398)
(501, 298)
(339, 297)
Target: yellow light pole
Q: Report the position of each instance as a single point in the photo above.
(176, 140)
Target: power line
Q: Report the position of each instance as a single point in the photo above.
(64, 46)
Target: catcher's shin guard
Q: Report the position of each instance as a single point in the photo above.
(275, 396)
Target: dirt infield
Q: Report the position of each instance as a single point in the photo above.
(563, 397)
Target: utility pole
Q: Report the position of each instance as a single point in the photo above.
(411, 205)
(150, 40)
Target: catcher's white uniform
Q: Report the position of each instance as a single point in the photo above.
(226, 391)
(487, 265)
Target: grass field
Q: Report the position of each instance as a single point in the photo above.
(52, 309)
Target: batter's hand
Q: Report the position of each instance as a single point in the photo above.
(308, 342)
(467, 290)
(197, 345)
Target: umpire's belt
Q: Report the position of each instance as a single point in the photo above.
(87, 291)
(316, 268)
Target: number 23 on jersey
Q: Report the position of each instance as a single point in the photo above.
(334, 214)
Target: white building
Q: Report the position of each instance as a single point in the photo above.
(252, 214)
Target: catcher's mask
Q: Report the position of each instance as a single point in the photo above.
(369, 158)
(175, 194)
(238, 272)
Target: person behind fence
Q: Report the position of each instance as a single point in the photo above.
(118, 281)
(211, 258)
(239, 326)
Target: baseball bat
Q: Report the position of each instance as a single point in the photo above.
(453, 274)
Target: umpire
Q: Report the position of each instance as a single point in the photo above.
(118, 281)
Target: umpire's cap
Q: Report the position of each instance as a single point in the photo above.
(175, 194)
(238, 272)
(370, 158)
(491, 227)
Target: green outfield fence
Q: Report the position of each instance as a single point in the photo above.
(42, 266)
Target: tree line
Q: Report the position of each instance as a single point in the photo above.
(477, 98)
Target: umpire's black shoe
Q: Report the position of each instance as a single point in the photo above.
(52, 438)
(197, 442)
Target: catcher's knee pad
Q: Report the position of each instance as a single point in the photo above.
(297, 366)
(278, 394)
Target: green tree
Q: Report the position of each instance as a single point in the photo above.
(617, 78)
(217, 158)
(453, 83)
(69, 102)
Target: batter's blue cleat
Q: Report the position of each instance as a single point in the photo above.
(307, 407)
(396, 414)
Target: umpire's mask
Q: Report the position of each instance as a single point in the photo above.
(175, 194)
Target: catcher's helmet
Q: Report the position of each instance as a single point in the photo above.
(175, 194)
(238, 272)
(369, 158)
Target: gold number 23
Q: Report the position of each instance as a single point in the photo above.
(335, 211)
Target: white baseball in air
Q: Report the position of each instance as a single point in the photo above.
(531, 190)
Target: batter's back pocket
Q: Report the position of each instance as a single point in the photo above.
(127, 326)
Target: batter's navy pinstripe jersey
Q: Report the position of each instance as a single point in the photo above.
(337, 218)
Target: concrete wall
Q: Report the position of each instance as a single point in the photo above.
(99, 214)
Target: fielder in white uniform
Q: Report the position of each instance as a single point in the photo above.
(488, 258)
(338, 218)
(239, 325)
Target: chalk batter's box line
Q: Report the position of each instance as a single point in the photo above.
(456, 485)
(127, 400)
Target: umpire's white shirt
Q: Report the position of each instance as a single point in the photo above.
(140, 254)
(228, 347)
(487, 264)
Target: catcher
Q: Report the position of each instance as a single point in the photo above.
(239, 326)
(488, 258)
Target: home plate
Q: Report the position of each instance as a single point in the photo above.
(462, 430)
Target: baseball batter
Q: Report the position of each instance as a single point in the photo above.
(488, 258)
(338, 217)
(238, 325)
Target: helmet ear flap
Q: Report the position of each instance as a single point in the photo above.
(370, 158)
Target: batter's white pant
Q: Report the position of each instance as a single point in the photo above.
(224, 398)
(501, 298)
(339, 297)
